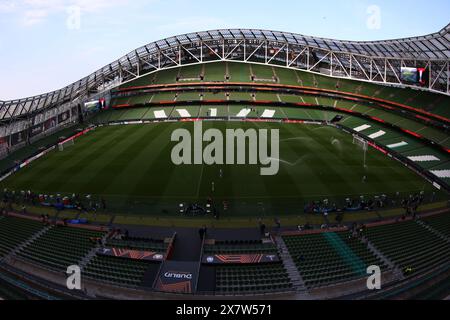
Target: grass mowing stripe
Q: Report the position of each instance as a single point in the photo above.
(131, 165)
(248, 175)
(199, 184)
(120, 162)
(308, 170)
(324, 166)
(162, 169)
(94, 162)
(152, 161)
(144, 155)
(255, 183)
(84, 157)
(53, 166)
(137, 183)
(38, 169)
(285, 172)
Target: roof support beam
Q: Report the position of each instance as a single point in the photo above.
(366, 56)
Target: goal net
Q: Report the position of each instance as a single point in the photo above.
(362, 143)
(66, 144)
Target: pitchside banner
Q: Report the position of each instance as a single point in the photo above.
(4, 145)
(63, 117)
(177, 277)
(240, 259)
(50, 123)
(18, 138)
(131, 254)
(30, 160)
(37, 129)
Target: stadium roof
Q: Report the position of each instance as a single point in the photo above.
(433, 46)
(375, 61)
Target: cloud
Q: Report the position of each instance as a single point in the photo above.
(33, 17)
(192, 24)
(97, 5)
(7, 6)
(33, 12)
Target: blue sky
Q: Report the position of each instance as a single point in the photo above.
(44, 46)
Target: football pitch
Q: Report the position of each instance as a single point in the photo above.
(130, 166)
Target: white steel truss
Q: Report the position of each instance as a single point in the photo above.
(378, 62)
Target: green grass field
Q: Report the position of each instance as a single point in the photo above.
(130, 166)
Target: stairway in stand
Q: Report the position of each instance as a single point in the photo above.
(291, 268)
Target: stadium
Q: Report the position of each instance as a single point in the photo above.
(361, 179)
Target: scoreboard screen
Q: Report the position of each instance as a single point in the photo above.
(414, 75)
(95, 105)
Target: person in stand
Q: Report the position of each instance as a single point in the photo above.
(415, 209)
(408, 271)
(277, 223)
(103, 204)
(225, 205)
(339, 218)
(45, 219)
(202, 233)
(362, 230)
(216, 213)
(262, 228)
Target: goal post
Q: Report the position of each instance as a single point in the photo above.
(363, 144)
(65, 144)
